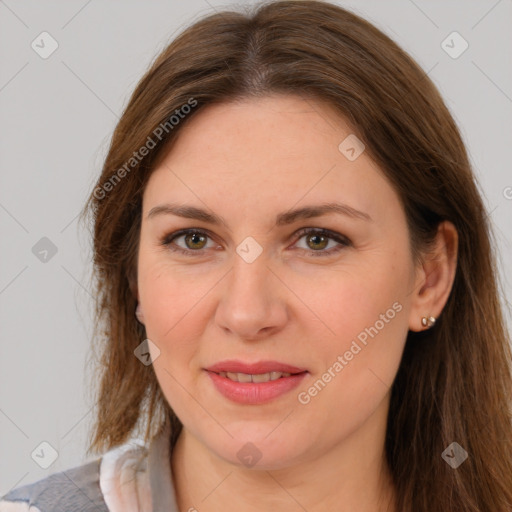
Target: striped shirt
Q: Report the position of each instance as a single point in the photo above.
(129, 478)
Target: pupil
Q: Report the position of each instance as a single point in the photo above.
(316, 237)
(194, 240)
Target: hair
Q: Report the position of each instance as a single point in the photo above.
(454, 382)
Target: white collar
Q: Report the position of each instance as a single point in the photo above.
(135, 478)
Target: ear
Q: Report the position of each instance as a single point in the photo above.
(138, 310)
(434, 277)
(139, 314)
(132, 283)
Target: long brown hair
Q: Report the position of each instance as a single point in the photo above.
(454, 382)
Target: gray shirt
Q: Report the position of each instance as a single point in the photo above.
(130, 477)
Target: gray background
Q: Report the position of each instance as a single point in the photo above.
(57, 116)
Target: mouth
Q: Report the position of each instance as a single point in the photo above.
(257, 368)
(254, 377)
(254, 383)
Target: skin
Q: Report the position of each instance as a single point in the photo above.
(248, 162)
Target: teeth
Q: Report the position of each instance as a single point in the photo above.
(240, 377)
(261, 377)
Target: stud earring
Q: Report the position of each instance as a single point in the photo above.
(428, 321)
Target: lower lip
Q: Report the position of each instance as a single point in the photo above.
(255, 392)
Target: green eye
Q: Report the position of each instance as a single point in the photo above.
(196, 240)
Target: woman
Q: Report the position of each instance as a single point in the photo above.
(296, 285)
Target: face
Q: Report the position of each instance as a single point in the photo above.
(317, 302)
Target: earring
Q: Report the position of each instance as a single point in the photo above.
(428, 321)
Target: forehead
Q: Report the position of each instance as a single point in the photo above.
(277, 127)
(276, 150)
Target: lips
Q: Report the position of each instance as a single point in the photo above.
(233, 366)
(254, 383)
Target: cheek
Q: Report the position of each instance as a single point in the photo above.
(172, 305)
(168, 301)
(367, 316)
(358, 299)
(168, 293)
(356, 368)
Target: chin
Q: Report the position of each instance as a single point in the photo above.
(258, 451)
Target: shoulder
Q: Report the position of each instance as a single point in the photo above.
(76, 489)
(103, 485)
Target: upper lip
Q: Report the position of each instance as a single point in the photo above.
(259, 367)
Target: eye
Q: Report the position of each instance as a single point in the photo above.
(316, 239)
(194, 240)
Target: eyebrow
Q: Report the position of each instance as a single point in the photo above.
(283, 219)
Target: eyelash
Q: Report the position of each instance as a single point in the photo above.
(344, 242)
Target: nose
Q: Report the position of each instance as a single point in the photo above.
(252, 305)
